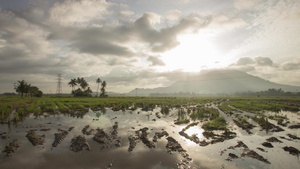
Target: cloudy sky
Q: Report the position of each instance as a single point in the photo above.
(146, 43)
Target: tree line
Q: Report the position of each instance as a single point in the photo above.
(83, 89)
(269, 92)
(25, 89)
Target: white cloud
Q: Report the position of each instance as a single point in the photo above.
(70, 12)
(125, 14)
(92, 38)
(246, 4)
(291, 65)
(223, 23)
(173, 15)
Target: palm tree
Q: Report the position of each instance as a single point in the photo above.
(98, 81)
(83, 84)
(103, 89)
(78, 81)
(89, 91)
(72, 83)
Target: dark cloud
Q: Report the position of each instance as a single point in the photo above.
(291, 65)
(11, 53)
(263, 61)
(98, 46)
(245, 61)
(166, 38)
(258, 61)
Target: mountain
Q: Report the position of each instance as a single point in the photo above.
(217, 82)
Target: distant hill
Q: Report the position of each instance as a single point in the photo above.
(217, 82)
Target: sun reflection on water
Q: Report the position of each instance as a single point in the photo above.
(195, 130)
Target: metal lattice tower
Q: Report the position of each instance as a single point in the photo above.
(59, 88)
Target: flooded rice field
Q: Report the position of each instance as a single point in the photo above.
(150, 140)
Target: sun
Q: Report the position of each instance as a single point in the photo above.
(194, 53)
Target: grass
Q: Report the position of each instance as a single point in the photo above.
(182, 117)
(266, 104)
(218, 123)
(188, 107)
(226, 108)
(201, 113)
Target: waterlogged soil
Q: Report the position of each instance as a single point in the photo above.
(145, 139)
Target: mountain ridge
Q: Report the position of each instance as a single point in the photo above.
(217, 82)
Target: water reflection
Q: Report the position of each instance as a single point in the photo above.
(195, 130)
(142, 157)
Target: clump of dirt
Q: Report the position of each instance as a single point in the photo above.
(267, 144)
(45, 129)
(35, 139)
(292, 150)
(159, 135)
(246, 152)
(253, 154)
(103, 138)
(213, 138)
(71, 128)
(106, 139)
(79, 143)
(261, 149)
(3, 136)
(266, 125)
(86, 131)
(143, 136)
(174, 146)
(273, 139)
(276, 129)
(294, 137)
(11, 148)
(295, 126)
(132, 142)
(231, 156)
(59, 137)
(114, 135)
(245, 126)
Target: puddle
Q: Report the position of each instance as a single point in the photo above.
(45, 156)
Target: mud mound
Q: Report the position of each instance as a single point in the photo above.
(35, 139)
(79, 143)
(11, 148)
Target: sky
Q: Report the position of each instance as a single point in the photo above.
(146, 44)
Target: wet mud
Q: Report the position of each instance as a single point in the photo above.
(11, 148)
(35, 139)
(134, 133)
(79, 143)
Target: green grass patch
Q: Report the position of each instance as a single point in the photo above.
(218, 123)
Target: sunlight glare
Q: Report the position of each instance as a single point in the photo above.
(195, 130)
(195, 52)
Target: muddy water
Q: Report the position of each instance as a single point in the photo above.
(211, 156)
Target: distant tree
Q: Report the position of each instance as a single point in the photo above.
(34, 91)
(98, 81)
(88, 91)
(103, 93)
(72, 83)
(23, 88)
(81, 91)
(83, 84)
